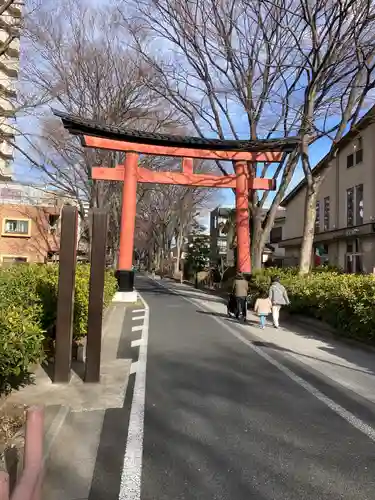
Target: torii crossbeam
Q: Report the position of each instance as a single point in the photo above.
(241, 153)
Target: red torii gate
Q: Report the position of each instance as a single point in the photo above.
(134, 143)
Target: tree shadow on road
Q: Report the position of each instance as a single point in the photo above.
(228, 425)
(359, 355)
(151, 289)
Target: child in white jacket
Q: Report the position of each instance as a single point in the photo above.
(263, 307)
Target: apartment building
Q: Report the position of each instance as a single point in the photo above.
(10, 17)
(30, 223)
(345, 210)
(219, 247)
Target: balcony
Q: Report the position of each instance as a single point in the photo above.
(10, 68)
(14, 10)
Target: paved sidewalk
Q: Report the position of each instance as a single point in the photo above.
(77, 395)
(351, 367)
(74, 436)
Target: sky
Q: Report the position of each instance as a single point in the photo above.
(224, 197)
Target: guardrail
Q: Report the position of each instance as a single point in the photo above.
(30, 483)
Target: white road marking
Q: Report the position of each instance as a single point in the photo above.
(137, 328)
(136, 318)
(338, 409)
(135, 311)
(136, 343)
(133, 367)
(130, 488)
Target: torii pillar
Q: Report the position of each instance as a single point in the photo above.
(242, 218)
(125, 273)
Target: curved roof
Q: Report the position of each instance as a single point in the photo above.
(81, 126)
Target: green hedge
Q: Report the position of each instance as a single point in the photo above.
(345, 301)
(28, 298)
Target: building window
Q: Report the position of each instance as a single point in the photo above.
(350, 207)
(276, 234)
(9, 260)
(16, 227)
(354, 257)
(222, 246)
(359, 204)
(356, 157)
(317, 217)
(221, 224)
(354, 206)
(326, 213)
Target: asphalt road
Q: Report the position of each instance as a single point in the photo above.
(222, 422)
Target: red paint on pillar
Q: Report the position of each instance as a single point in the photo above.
(242, 218)
(129, 202)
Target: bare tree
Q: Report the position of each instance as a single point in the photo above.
(225, 62)
(164, 217)
(335, 45)
(239, 69)
(74, 62)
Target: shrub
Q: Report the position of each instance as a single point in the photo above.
(345, 301)
(28, 300)
(21, 340)
(81, 298)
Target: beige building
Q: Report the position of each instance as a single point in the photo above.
(345, 212)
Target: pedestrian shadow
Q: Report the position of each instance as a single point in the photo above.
(227, 318)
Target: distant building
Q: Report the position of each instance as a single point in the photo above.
(218, 237)
(223, 238)
(30, 222)
(345, 210)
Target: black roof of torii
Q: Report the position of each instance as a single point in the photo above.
(80, 126)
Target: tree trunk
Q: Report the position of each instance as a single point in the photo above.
(179, 248)
(256, 243)
(309, 229)
(158, 258)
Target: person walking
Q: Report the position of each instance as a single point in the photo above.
(240, 289)
(263, 307)
(278, 297)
